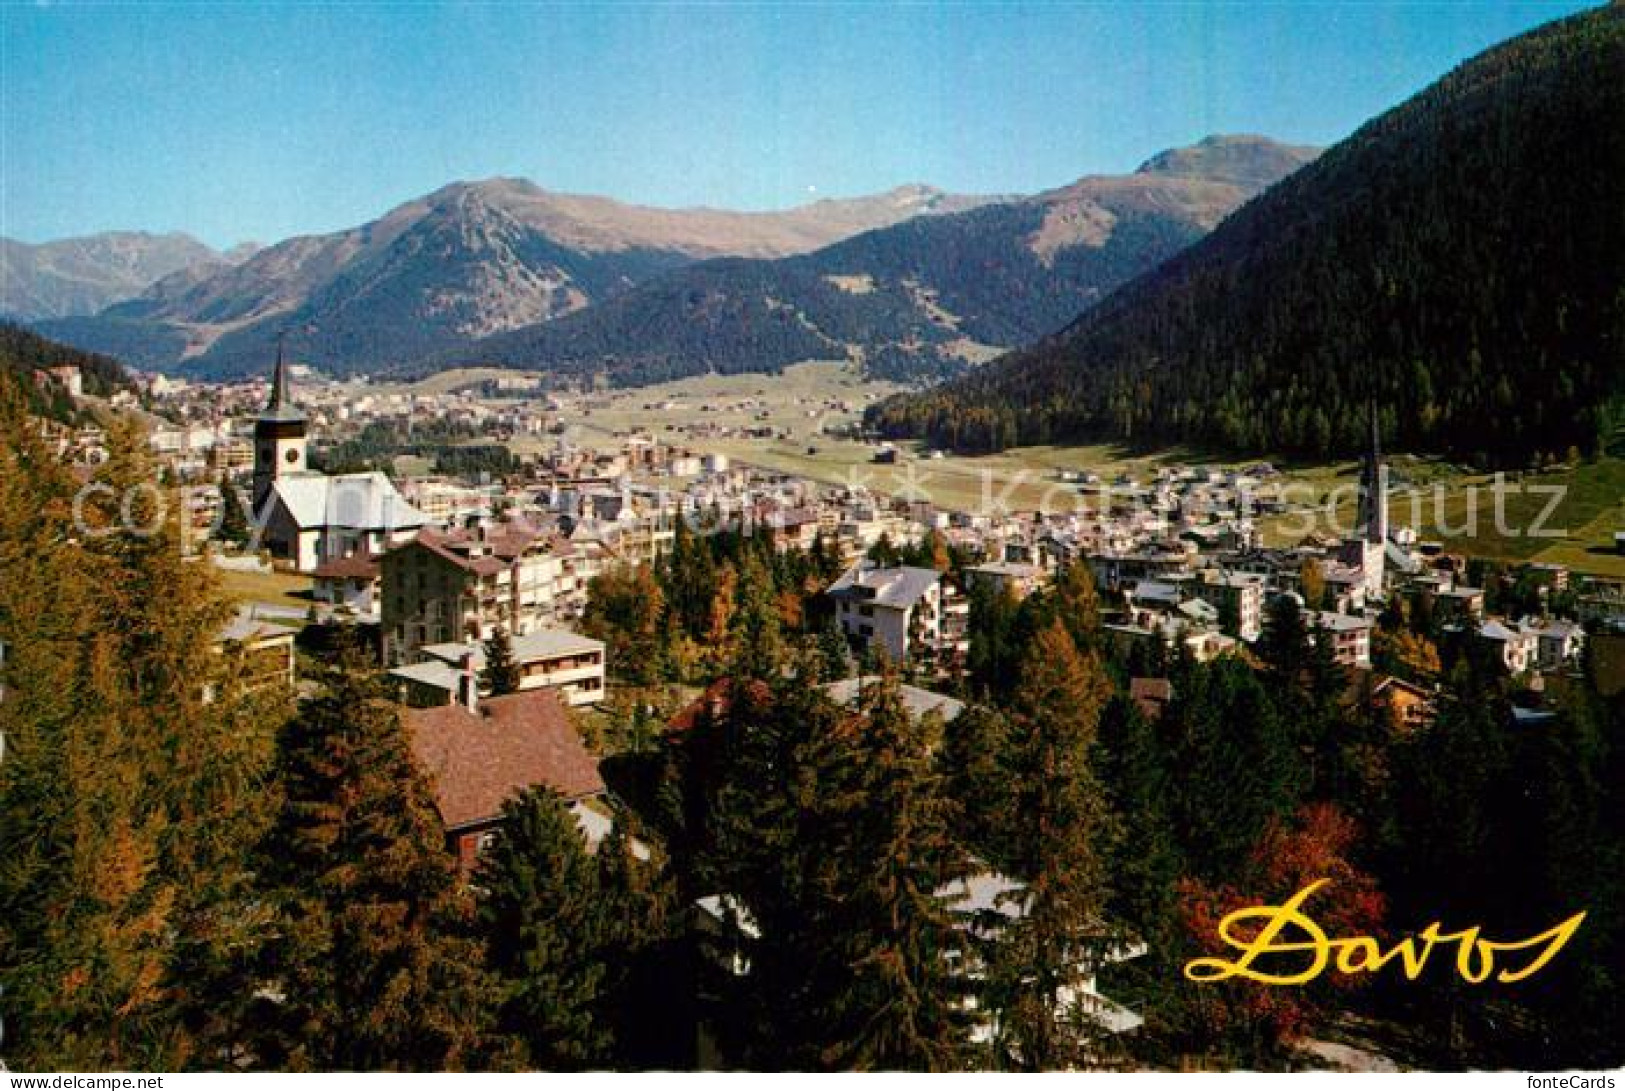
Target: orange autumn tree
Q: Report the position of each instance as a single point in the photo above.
(1249, 1020)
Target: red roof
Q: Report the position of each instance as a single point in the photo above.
(478, 759)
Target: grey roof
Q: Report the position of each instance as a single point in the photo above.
(985, 892)
(246, 626)
(1019, 570)
(432, 673)
(898, 588)
(1156, 591)
(1340, 623)
(365, 501)
(1494, 630)
(542, 644)
(917, 701)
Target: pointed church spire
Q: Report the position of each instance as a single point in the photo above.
(281, 405)
(1374, 487)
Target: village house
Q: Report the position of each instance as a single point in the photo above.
(1409, 706)
(897, 610)
(350, 584)
(1515, 648)
(261, 651)
(479, 753)
(1350, 637)
(568, 663)
(449, 586)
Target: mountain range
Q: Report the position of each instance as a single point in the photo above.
(468, 260)
(84, 275)
(914, 282)
(1458, 262)
(915, 301)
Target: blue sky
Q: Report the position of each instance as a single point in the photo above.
(257, 121)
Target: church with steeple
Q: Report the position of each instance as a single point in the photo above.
(308, 517)
(1366, 550)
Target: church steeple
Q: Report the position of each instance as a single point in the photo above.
(279, 435)
(281, 407)
(1373, 514)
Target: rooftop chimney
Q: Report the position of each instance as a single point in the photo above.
(468, 684)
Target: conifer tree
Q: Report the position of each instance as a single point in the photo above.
(543, 922)
(976, 773)
(1041, 961)
(234, 527)
(121, 728)
(500, 675)
(754, 624)
(646, 961)
(834, 654)
(874, 905)
(371, 964)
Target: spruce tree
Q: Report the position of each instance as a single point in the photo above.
(542, 919)
(874, 908)
(500, 675)
(371, 964)
(234, 527)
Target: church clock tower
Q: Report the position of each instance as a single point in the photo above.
(279, 436)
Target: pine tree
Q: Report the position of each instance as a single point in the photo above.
(874, 908)
(833, 652)
(976, 771)
(371, 964)
(234, 528)
(1040, 963)
(754, 626)
(543, 922)
(1078, 605)
(646, 959)
(500, 675)
(121, 728)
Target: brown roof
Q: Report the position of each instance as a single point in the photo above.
(1150, 694)
(357, 566)
(715, 701)
(478, 759)
(1152, 689)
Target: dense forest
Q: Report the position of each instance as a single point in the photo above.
(1459, 260)
(22, 353)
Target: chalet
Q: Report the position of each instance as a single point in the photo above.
(479, 753)
(1410, 707)
(261, 649)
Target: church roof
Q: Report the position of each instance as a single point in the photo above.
(365, 501)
